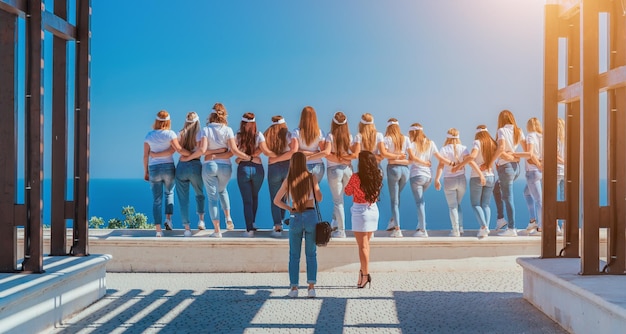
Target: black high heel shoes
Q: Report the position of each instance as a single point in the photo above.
(365, 282)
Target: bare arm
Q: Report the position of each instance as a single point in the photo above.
(438, 176)
(200, 150)
(293, 147)
(146, 153)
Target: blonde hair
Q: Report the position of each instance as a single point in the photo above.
(534, 125)
(419, 138)
(341, 133)
(560, 130)
(368, 132)
(276, 136)
(453, 141)
(189, 132)
(219, 114)
(393, 131)
(309, 127)
(506, 117)
(488, 145)
(162, 125)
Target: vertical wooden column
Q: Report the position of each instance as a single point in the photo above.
(81, 128)
(616, 243)
(550, 115)
(590, 144)
(59, 138)
(8, 153)
(33, 231)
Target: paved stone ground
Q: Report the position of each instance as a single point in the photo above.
(477, 295)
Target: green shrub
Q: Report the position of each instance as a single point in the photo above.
(132, 219)
(96, 222)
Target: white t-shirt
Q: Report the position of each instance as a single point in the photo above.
(479, 160)
(330, 141)
(358, 138)
(388, 142)
(313, 147)
(217, 135)
(454, 153)
(159, 141)
(536, 139)
(507, 132)
(419, 169)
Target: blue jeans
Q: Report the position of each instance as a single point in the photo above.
(480, 196)
(338, 177)
(317, 169)
(397, 177)
(497, 197)
(189, 172)
(276, 174)
(507, 174)
(454, 189)
(216, 177)
(249, 179)
(161, 178)
(532, 194)
(419, 184)
(302, 224)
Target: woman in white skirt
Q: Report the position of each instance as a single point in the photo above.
(364, 186)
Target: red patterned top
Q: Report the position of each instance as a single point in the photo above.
(353, 188)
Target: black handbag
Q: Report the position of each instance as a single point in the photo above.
(322, 228)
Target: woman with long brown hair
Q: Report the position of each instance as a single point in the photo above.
(339, 171)
(364, 186)
(303, 190)
(160, 170)
(278, 140)
(394, 148)
(217, 168)
(311, 141)
(482, 179)
(250, 174)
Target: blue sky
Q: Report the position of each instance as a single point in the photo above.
(444, 63)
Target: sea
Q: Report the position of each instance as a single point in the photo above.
(107, 197)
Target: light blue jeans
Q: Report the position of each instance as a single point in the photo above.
(338, 177)
(397, 177)
(189, 172)
(216, 177)
(317, 169)
(419, 184)
(302, 224)
(454, 189)
(276, 174)
(507, 174)
(250, 177)
(532, 194)
(162, 177)
(480, 197)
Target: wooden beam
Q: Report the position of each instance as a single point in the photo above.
(33, 230)
(15, 7)
(58, 26)
(570, 93)
(81, 129)
(8, 154)
(567, 8)
(613, 78)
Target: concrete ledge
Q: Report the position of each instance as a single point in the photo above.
(580, 304)
(33, 303)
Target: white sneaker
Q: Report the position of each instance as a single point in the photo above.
(535, 232)
(311, 293)
(215, 235)
(421, 234)
(532, 226)
(248, 234)
(293, 293)
(168, 225)
(461, 230)
(187, 233)
(509, 232)
(391, 226)
(559, 232)
(454, 233)
(339, 234)
(229, 224)
(276, 234)
(396, 234)
(483, 233)
(159, 234)
(201, 225)
(501, 223)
